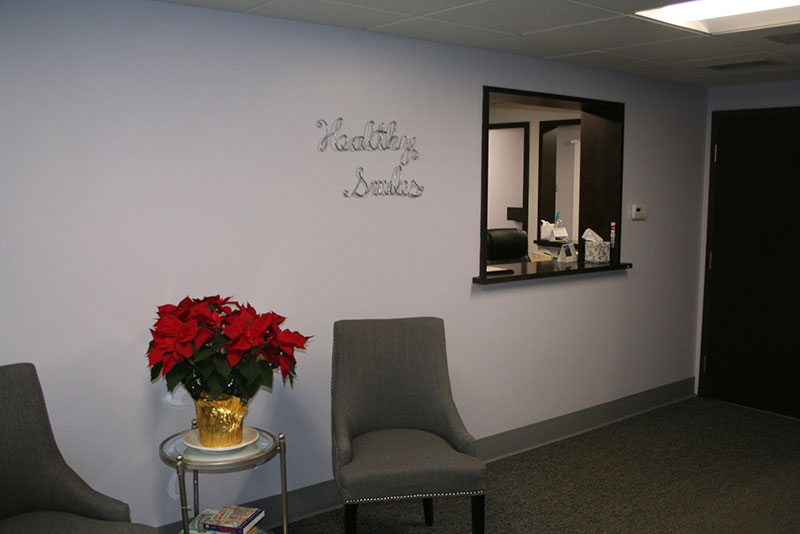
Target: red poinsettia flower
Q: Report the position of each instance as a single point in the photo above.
(183, 308)
(194, 330)
(206, 316)
(172, 341)
(216, 304)
(288, 340)
(246, 330)
(167, 309)
(280, 351)
(270, 354)
(276, 320)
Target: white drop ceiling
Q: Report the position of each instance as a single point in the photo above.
(593, 33)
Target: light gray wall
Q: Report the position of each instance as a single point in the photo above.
(768, 95)
(150, 151)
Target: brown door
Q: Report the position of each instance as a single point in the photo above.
(749, 352)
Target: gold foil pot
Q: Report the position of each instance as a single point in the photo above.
(219, 421)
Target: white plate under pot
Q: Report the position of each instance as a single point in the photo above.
(192, 439)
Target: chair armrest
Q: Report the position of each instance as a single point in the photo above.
(69, 493)
(342, 430)
(454, 431)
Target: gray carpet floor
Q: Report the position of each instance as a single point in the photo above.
(697, 466)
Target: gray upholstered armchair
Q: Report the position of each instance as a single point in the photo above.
(39, 491)
(396, 431)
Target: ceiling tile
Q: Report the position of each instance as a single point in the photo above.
(698, 73)
(761, 39)
(564, 30)
(409, 7)
(691, 48)
(523, 16)
(226, 5)
(778, 61)
(548, 45)
(525, 45)
(676, 73)
(443, 32)
(630, 6)
(609, 34)
(332, 14)
(605, 60)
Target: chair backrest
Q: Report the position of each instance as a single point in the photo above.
(27, 445)
(391, 373)
(506, 245)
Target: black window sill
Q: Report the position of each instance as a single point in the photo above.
(545, 269)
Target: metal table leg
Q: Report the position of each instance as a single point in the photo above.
(182, 486)
(196, 487)
(196, 483)
(284, 497)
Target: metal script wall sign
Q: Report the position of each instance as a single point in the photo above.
(374, 137)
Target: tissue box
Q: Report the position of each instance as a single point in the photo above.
(597, 252)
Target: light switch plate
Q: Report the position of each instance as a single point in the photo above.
(639, 211)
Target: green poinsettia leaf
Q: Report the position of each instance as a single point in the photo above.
(155, 371)
(266, 376)
(292, 374)
(176, 375)
(215, 386)
(219, 342)
(249, 389)
(203, 354)
(205, 368)
(221, 365)
(250, 370)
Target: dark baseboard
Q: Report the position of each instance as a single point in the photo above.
(538, 434)
(324, 496)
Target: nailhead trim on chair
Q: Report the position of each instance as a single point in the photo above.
(415, 496)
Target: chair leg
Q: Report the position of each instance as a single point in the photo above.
(427, 507)
(478, 504)
(350, 515)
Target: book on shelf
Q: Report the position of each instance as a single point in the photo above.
(234, 519)
(195, 525)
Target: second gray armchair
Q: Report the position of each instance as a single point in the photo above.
(396, 431)
(39, 492)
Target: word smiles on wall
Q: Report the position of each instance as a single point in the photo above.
(375, 137)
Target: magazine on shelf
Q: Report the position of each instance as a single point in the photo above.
(195, 524)
(235, 519)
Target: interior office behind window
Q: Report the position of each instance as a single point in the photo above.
(505, 172)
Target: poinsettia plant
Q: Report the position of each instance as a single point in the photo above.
(216, 346)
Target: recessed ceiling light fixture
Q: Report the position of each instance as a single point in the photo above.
(725, 16)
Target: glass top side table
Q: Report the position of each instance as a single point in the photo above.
(175, 453)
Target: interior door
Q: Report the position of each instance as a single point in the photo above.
(547, 175)
(749, 353)
(508, 175)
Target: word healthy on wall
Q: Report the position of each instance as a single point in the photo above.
(375, 137)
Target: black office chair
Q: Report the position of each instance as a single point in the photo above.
(396, 430)
(40, 493)
(506, 245)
